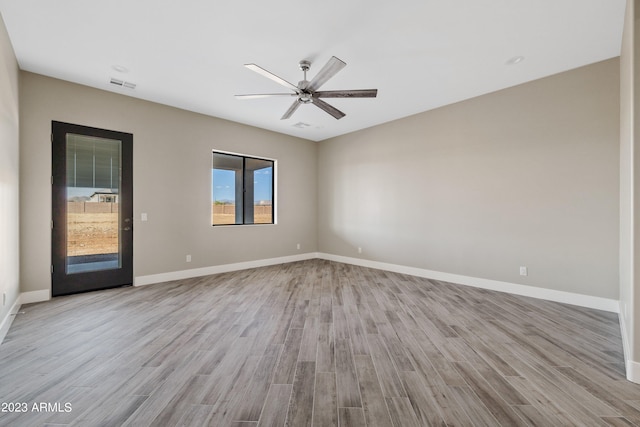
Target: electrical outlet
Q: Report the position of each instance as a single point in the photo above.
(188, 258)
(298, 246)
(523, 271)
(359, 250)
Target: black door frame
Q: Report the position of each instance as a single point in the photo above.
(61, 282)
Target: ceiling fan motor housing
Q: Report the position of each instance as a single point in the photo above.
(304, 96)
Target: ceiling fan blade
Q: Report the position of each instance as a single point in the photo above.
(329, 70)
(271, 76)
(291, 110)
(337, 114)
(263, 95)
(359, 93)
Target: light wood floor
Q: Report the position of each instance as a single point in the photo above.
(314, 343)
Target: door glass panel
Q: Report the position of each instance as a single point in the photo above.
(93, 208)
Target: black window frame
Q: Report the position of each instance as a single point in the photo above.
(243, 173)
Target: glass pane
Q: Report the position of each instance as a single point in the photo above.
(224, 202)
(226, 197)
(263, 195)
(93, 208)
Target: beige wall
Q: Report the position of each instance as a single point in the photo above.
(629, 185)
(172, 163)
(526, 176)
(9, 174)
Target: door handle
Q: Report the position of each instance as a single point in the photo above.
(127, 228)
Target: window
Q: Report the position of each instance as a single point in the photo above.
(242, 190)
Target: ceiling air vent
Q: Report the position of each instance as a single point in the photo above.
(122, 83)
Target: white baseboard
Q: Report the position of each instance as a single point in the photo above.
(35, 296)
(597, 303)
(8, 319)
(633, 371)
(632, 368)
(216, 269)
(23, 298)
(588, 301)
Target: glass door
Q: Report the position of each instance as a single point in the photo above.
(92, 230)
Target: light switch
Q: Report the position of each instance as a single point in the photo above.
(143, 217)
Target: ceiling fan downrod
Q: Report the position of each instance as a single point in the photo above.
(304, 96)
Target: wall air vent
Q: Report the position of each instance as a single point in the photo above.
(122, 83)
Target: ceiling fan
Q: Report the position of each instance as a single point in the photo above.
(307, 92)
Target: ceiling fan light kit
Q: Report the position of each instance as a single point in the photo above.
(306, 92)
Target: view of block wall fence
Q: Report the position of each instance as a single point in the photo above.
(231, 209)
(100, 207)
(226, 214)
(92, 207)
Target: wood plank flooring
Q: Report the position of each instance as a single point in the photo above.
(313, 343)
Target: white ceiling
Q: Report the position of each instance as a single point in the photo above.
(419, 54)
